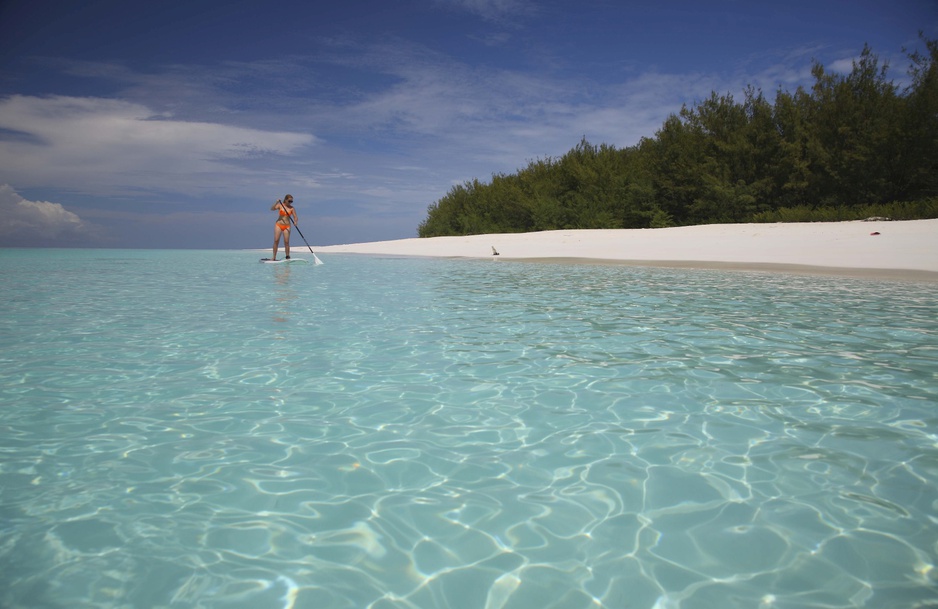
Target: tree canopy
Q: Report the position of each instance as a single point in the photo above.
(849, 145)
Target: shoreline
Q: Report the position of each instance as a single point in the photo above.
(702, 265)
(873, 249)
(767, 267)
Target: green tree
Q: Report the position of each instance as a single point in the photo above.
(798, 147)
(739, 141)
(855, 118)
(918, 176)
(676, 155)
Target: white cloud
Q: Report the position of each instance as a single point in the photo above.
(490, 9)
(96, 144)
(840, 66)
(32, 221)
(497, 120)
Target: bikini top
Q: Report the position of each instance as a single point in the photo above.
(285, 213)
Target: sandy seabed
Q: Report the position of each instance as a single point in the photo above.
(878, 248)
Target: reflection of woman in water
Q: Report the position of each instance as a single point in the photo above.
(282, 226)
(285, 295)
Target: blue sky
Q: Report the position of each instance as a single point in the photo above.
(177, 124)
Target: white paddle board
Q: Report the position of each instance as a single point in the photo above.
(284, 260)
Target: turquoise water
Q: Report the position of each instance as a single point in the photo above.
(194, 429)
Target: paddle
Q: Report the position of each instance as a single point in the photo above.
(316, 260)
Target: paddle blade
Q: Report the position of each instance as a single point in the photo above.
(316, 260)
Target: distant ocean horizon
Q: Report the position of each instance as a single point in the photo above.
(211, 432)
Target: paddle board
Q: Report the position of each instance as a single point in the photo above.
(283, 260)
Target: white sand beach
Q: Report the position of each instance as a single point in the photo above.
(906, 249)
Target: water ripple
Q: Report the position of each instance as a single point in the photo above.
(413, 433)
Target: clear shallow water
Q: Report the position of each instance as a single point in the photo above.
(194, 429)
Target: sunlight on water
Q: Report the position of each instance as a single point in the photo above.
(194, 429)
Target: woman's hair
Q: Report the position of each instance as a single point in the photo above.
(285, 197)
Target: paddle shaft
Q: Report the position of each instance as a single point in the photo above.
(293, 222)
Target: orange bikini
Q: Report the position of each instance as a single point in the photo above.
(280, 221)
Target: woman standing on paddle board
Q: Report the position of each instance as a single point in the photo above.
(282, 226)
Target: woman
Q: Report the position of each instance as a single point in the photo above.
(282, 226)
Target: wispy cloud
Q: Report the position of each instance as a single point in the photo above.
(99, 144)
(24, 222)
(491, 9)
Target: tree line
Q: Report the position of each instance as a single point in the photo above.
(850, 146)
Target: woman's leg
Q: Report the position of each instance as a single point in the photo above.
(286, 241)
(277, 232)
